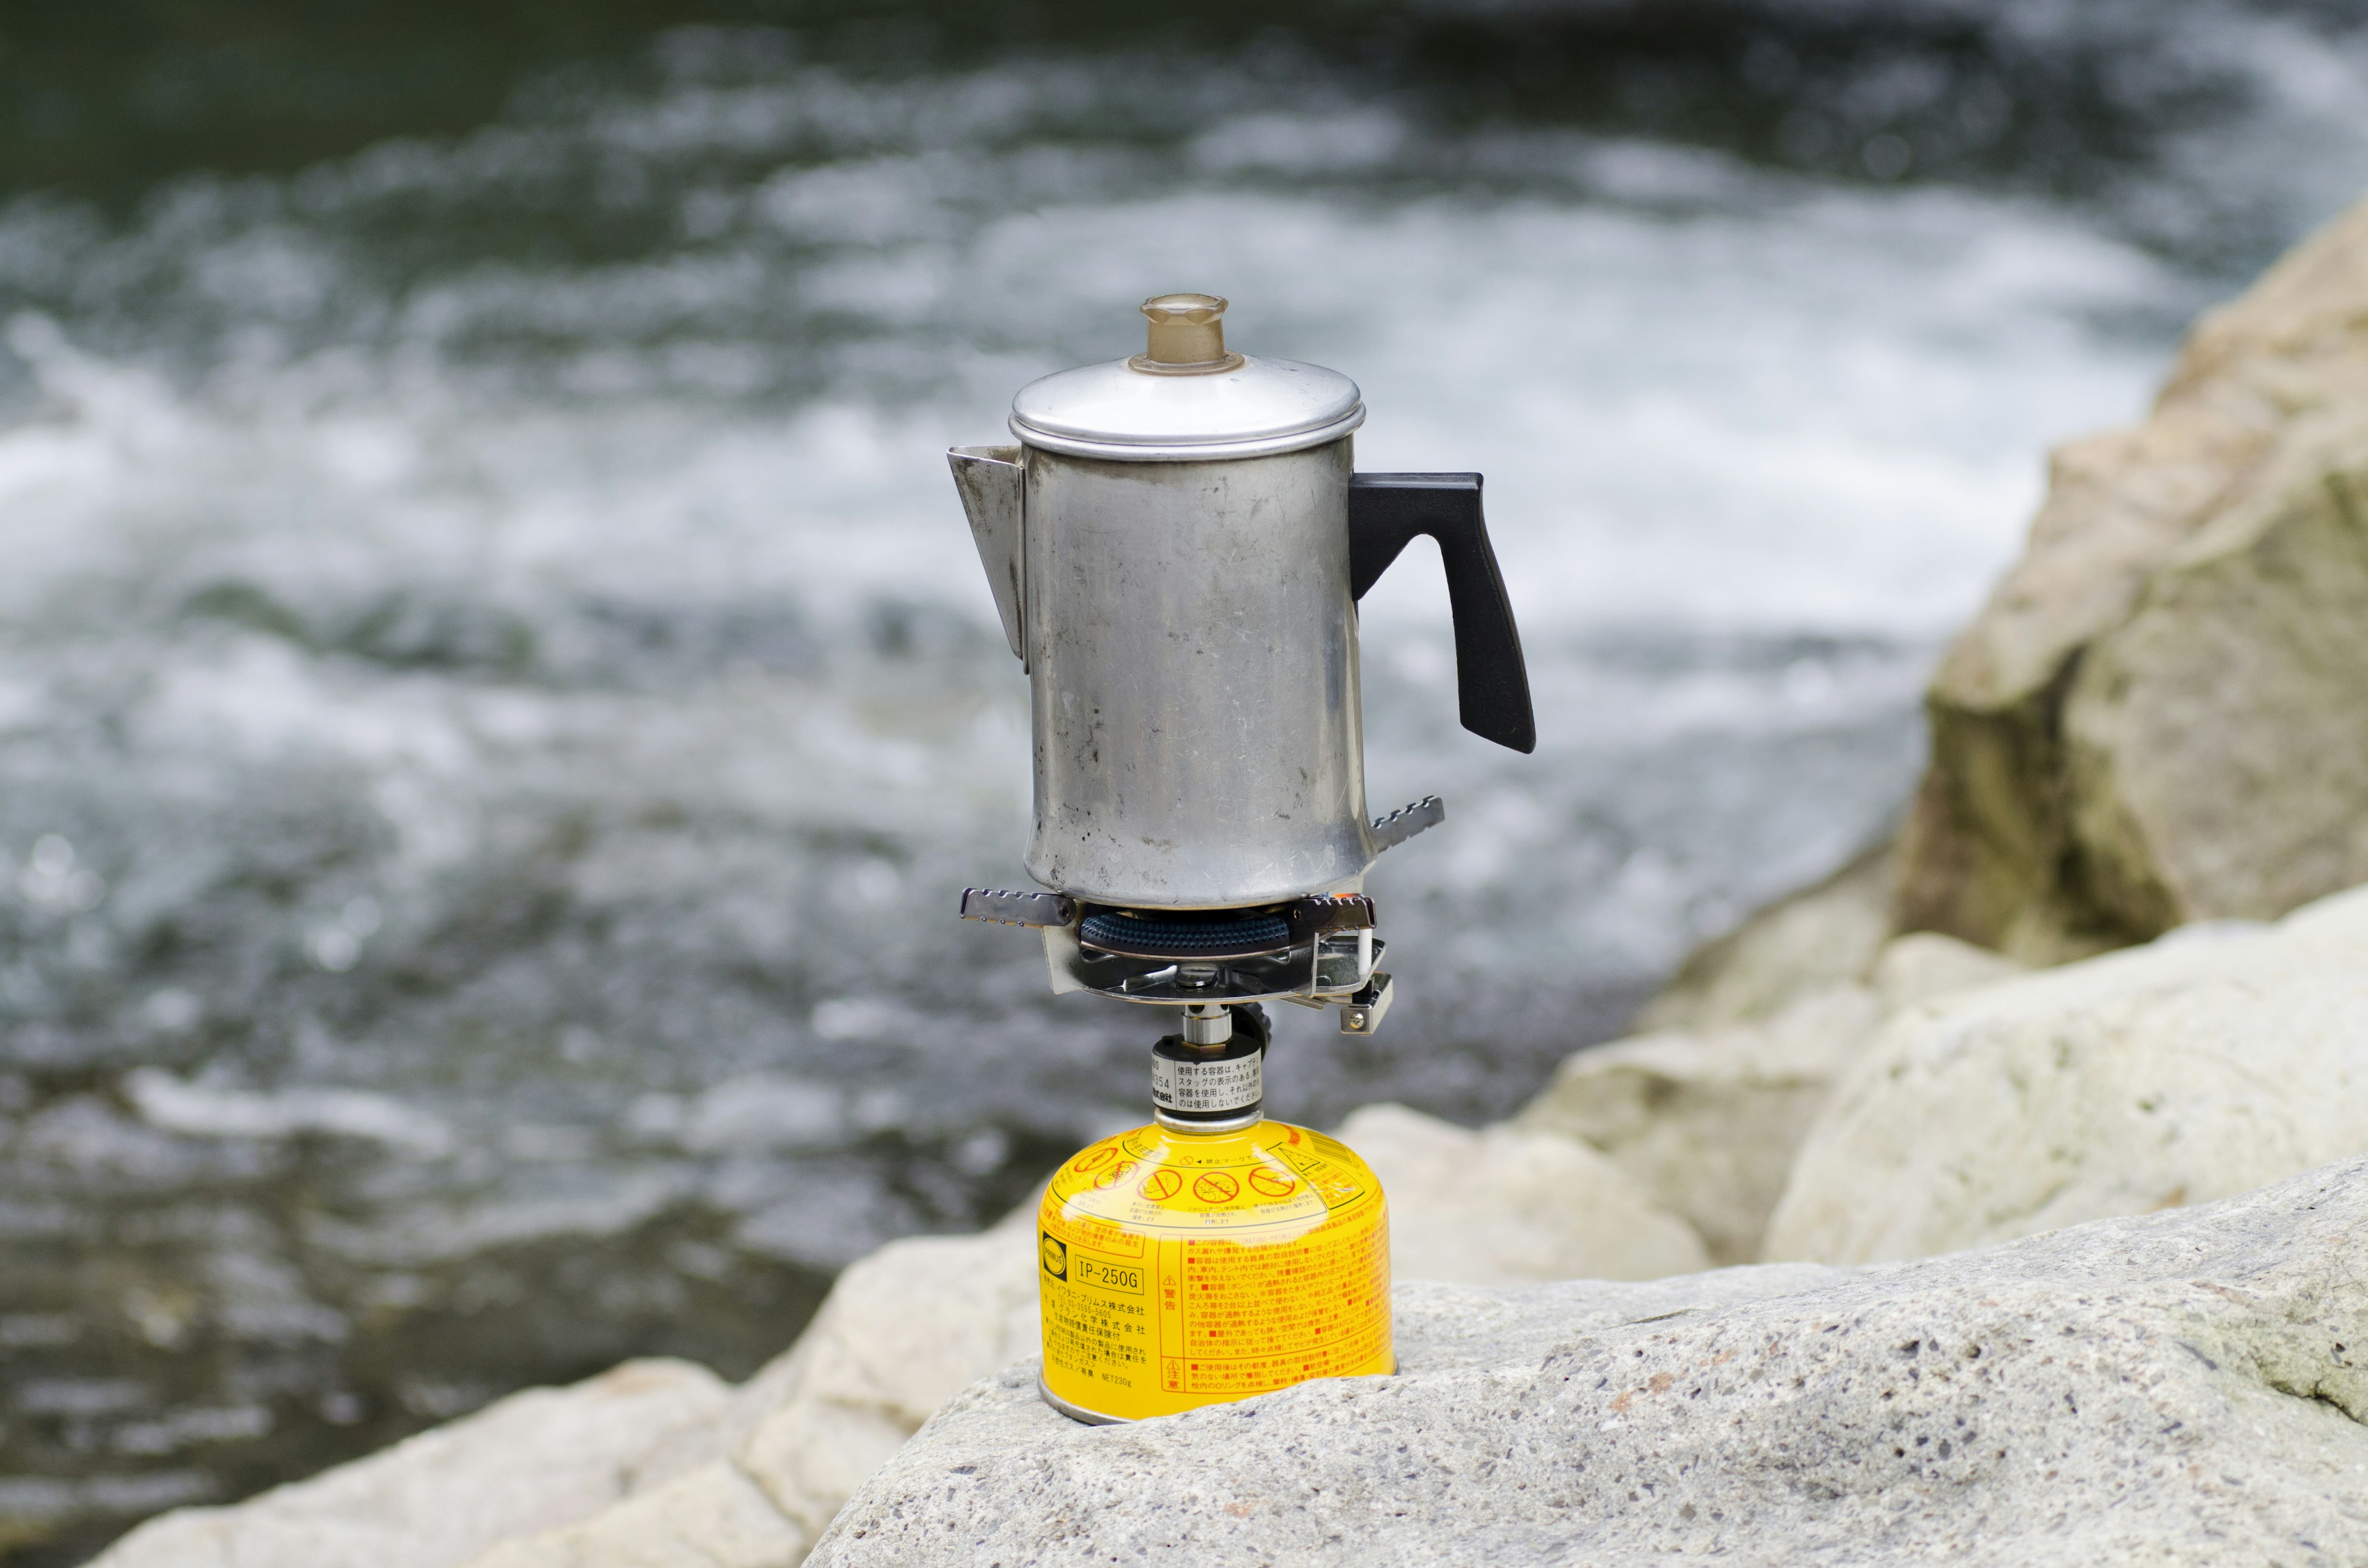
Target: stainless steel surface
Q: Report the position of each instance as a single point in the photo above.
(1017, 908)
(1363, 1012)
(1173, 980)
(992, 481)
(1340, 912)
(1250, 1118)
(1063, 959)
(1115, 412)
(1077, 1412)
(1193, 664)
(1405, 821)
(1207, 1023)
(1345, 961)
(1317, 973)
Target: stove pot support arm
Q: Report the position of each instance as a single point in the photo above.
(1386, 512)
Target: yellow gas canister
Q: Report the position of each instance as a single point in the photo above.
(1180, 1268)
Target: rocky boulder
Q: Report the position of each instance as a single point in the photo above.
(1509, 1206)
(534, 1460)
(2155, 718)
(655, 1464)
(900, 1333)
(1823, 936)
(2204, 1064)
(1709, 1123)
(2186, 1387)
(1708, 1120)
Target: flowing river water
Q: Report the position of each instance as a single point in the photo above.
(497, 703)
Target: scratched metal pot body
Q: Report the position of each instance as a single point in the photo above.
(1192, 652)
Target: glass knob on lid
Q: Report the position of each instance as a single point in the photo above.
(1185, 399)
(1187, 337)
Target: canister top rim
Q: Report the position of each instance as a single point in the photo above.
(1115, 411)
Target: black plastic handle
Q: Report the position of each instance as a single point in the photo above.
(1492, 681)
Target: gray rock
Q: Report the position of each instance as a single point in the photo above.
(1708, 1124)
(1925, 966)
(532, 1462)
(1709, 1121)
(2187, 1387)
(713, 1517)
(2216, 745)
(2154, 718)
(1821, 937)
(2199, 1066)
(653, 1464)
(1510, 1206)
(901, 1331)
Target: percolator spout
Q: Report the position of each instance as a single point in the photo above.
(993, 485)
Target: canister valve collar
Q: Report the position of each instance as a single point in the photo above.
(1216, 1087)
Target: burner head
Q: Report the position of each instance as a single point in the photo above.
(1307, 948)
(1317, 950)
(1186, 933)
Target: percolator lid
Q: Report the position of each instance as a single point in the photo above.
(1186, 398)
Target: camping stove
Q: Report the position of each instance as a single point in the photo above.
(1176, 546)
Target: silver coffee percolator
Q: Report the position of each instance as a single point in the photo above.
(1176, 546)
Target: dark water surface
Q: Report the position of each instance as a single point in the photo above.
(496, 702)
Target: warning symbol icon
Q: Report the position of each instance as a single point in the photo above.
(1161, 1185)
(1267, 1184)
(1215, 1187)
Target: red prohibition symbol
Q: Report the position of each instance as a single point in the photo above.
(1215, 1187)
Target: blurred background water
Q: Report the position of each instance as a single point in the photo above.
(497, 703)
